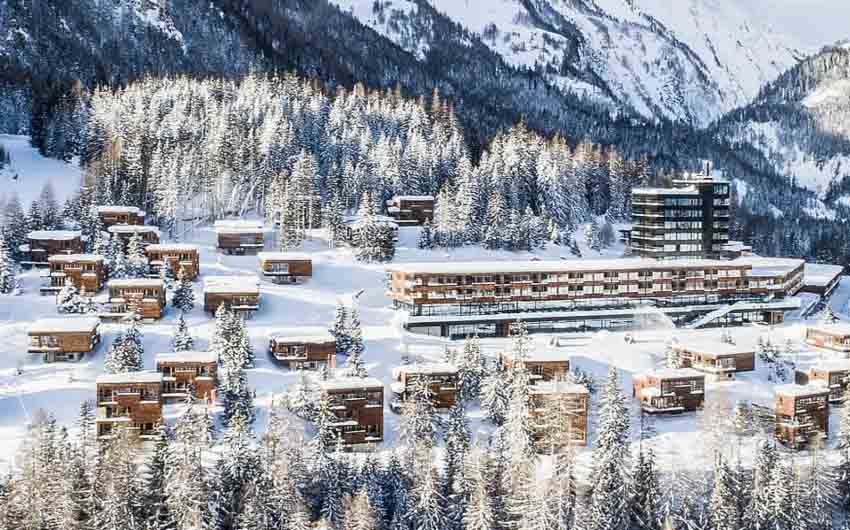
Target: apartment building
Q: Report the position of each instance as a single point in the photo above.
(148, 235)
(63, 339)
(178, 256)
(411, 210)
(670, 391)
(571, 403)
(485, 298)
(240, 236)
(833, 374)
(188, 372)
(831, 336)
(86, 271)
(286, 267)
(542, 366)
(442, 379)
(120, 215)
(718, 360)
(130, 400)
(41, 244)
(143, 296)
(358, 404)
(240, 294)
(802, 414)
(303, 352)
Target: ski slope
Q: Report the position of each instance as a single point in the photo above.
(29, 172)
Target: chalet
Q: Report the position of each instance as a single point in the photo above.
(670, 390)
(441, 378)
(358, 404)
(411, 210)
(178, 256)
(717, 359)
(285, 267)
(131, 400)
(240, 236)
(831, 336)
(833, 375)
(820, 278)
(303, 352)
(120, 215)
(41, 244)
(86, 271)
(188, 371)
(574, 400)
(541, 365)
(238, 293)
(144, 296)
(802, 414)
(64, 339)
(149, 235)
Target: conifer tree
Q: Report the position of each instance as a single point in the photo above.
(355, 335)
(480, 514)
(471, 370)
(126, 352)
(495, 396)
(182, 340)
(184, 294)
(154, 503)
(426, 237)
(8, 267)
(341, 330)
(137, 261)
(15, 226)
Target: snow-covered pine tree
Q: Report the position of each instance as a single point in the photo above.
(8, 267)
(118, 266)
(426, 237)
(355, 335)
(359, 513)
(843, 469)
(828, 317)
(495, 395)
(673, 357)
(458, 439)
(429, 511)
(333, 220)
(183, 297)
(562, 490)
(51, 218)
(341, 330)
(419, 419)
(471, 370)
(722, 506)
(819, 493)
(15, 225)
(155, 510)
(480, 514)
(237, 399)
(182, 339)
(166, 274)
(67, 300)
(760, 512)
(137, 260)
(126, 352)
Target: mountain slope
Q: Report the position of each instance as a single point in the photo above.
(691, 61)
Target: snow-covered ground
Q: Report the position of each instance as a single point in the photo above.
(29, 172)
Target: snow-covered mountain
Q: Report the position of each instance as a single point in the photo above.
(688, 60)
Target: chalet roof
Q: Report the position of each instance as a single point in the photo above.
(120, 209)
(122, 283)
(689, 190)
(238, 226)
(833, 365)
(541, 356)
(425, 369)
(133, 229)
(282, 336)
(187, 357)
(284, 256)
(413, 198)
(711, 346)
(129, 377)
(71, 258)
(821, 274)
(795, 390)
(171, 247)
(675, 373)
(557, 387)
(838, 328)
(232, 284)
(65, 325)
(770, 266)
(351, 383)
(58, 235)
(355, 220)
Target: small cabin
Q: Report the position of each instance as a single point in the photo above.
(802, 414)
(148, 235)
(719, 360)
(358, 404)
(240, 294)
(188, 373)
(120, 215)
(64, 339)
(411, 210)
(86, 271)
(144, 296)
(571, 399)
(670, 391)
(833, 375)
(441, 377)
(178, 256)
(41, 244)
(240, 236)
(285, 267)
(541, 365)
(304, 352)
(831, 336)
(130, 400)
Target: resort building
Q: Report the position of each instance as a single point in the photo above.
(411, 210)
(670, 391)
(240, 236)
(149, 235)
(351, 224)
(441, 379)
(358, 404)
(64, 339)
(718, 360)
(802, 414)
(41, 244)
(285, 267)
(820, 278)
(86, 271)
(129, 400)
(178, 256)
(550, 365)
(834, 375)
(188, 372)
(143, 296)
(120, 215)
(831, 336)
(569, 401)
(303, 352)
(240, 294)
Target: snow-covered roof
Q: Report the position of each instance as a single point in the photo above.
(133, 229)
(281, 336)
(232, 284)
(821, 274)
(710, 346)
(64, 325)
(119, 209)
(795, 390)
(171, 247)
(187, 357)
(413, 198)
(833, 365)
(70, 258)
(541, 356)
(837, 328)
(769, 266)
(674, 373)
(355, 220)
(129, 377)
(353, 383)
(557, 387)
(238, 226)
(121, 283)
(284, 256)
(424, 369)
(690, 190)
(62, 235)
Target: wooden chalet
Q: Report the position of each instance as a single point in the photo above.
(411, 210)
(86, 271)
(541, 365)
(821, 278)
(574, 405)
(303, 352)
(41, 244)
(240, 294)
(442, 380)
(64, 339)
(240, 236)
(719, 360)
(670, 390)
(358, 404)
(129, 400)
(149, 235)
(120, 215)
(285, 267)
(833, 375)
(802, 414)
(178, 256)
(831, 336)
(144, 296)
(188, 371)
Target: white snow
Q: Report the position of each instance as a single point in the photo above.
(833, 365)
(129, 283)
(54, 235)
(64, 325)
(821, 274)
(29, 172)
(232, 284)
(284, 256)
(186, 357)
(713, 347)
(674, 373)
(133, 229)
(119, 210)
(351, 383)
(72, 258)
(171, 247)
(239, 226)
(282, 337)
(129, 377)
(425, 369)
(795, 390)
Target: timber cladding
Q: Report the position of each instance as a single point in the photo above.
(303, 353)
(120, 215)
(802, 414)
(86, 272)
(442, 380)
(246, 301)
(359, 409)
(133, 404)
(184, 257)
(541, 369)
(670, 391)
(144, 296)
(280, 268)
(241, 242)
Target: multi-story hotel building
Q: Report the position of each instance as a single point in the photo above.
(690, 220)
(802, 414)
(485, 298)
